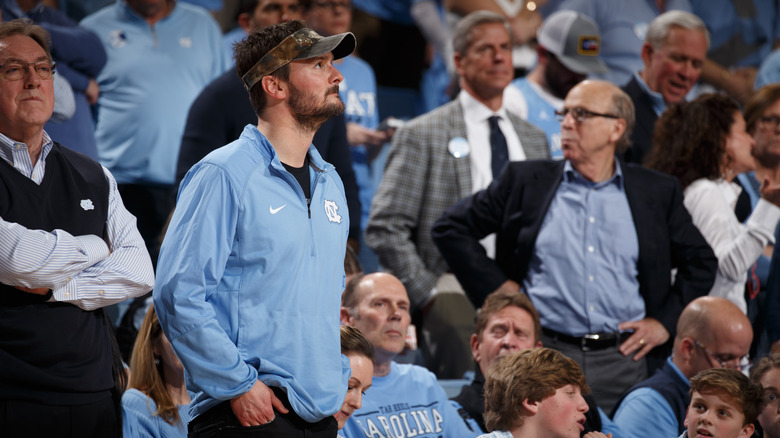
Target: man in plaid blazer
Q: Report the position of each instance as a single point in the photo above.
(435, 160)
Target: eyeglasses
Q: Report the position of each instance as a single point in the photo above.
(580, 114)
(14, 71)
(332, 5)
(770, 121)
(725, 361)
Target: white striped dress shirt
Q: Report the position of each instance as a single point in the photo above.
(81, 270)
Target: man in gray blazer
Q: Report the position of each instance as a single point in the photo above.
(435, 160)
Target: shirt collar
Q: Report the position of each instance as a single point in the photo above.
(659, 104)
(7, 146)
(571, 175)
(473, 109)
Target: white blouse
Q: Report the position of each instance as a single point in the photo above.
(737, 246)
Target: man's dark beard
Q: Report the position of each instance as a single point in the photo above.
(310, 116)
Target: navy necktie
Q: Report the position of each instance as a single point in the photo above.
(498, 149)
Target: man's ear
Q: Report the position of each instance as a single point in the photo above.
(245, 22)
(687, 346)
(274, 87)
(617, 132)
(475, 347)
(747, 431)
(533, 408)
(685, 422)
(647, 53)
(458, 63)
(345, 316)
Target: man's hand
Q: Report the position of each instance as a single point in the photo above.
(359, 135)
(770, 191)
(595, 434)
(256, 407)
(36, 291)
(648, 333)
(92, 92)
(741, 83)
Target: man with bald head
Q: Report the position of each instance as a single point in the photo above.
(592, 241)
(405, 400)
(711, 333)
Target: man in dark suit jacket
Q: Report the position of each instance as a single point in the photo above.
(674, 53)
(592, 241)
(435, 161)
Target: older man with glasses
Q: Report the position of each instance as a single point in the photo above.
(68, 248)
(711, 333)
(591, 240)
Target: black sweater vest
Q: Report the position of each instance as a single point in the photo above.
(51, 352)
(671, 386)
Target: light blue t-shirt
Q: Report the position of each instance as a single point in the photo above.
(139, 419)
(358, 92)
(152, 76)
(542, 114)
(408, 402)
(769, 72)
(742, 33)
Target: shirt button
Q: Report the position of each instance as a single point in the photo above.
(591, 308)
(591, 248)
(67, 294)
(67, 279)
(100, 292)
(591, 219)
(590, 278)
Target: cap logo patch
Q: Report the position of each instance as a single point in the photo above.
(588, 45)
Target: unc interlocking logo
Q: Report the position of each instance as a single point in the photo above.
(117, 38)
(86, 204)
(331, 211)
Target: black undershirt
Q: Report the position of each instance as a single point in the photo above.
(301, 174)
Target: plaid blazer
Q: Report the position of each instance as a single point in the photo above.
(421, 180)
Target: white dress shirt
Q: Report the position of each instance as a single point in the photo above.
(476, 115)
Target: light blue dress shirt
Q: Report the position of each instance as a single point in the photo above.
(583, 275)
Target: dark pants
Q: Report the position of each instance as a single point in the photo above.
(31, 420)
(220, 422)
(608, 373)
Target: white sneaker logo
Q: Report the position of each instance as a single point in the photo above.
(331, 211)
(275, 210)
(86, 204)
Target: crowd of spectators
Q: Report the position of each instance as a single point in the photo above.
(597, 181)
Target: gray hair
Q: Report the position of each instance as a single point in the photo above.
(661, 26)
(462, 39)
(624, 108)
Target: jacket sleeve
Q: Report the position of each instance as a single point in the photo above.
(77, 47)
(201, 235)
(693, 258)
(395, 212)
(458, 232)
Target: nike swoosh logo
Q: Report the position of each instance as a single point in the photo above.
(276, 210)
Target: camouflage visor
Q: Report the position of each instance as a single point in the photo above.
(303, 44)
